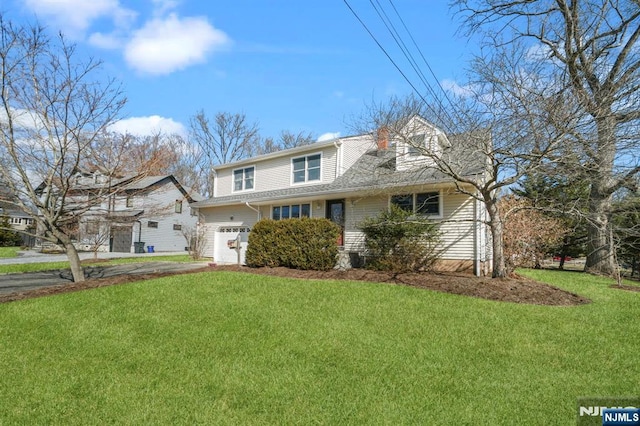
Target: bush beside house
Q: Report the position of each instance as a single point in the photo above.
(307, 243)
(400, 241)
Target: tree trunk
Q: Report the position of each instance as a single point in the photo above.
(497, 241)
(74, 263)
(600, 248)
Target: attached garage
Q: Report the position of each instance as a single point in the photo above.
(121, 239)
(224, 238)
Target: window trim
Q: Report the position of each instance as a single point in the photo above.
(177, 207)
(411, 150)
(244, 179)
(306, 169)
(281, 208)
(129, 202)
(414, 196)
(152, 224)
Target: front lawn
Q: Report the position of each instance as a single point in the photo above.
(235, 348)
(7, 252)
(50, 266)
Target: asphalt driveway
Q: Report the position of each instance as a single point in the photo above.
(18, 283)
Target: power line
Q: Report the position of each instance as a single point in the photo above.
(444, 92)
(384, 17)
(385, 52)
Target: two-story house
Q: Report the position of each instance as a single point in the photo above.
(127, 214)
(346, 180)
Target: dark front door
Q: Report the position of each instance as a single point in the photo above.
(121, 239)
(335, 213)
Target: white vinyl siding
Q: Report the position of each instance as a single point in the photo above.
(456, 226)
(276, 173)
(222, 218)
(159, 206)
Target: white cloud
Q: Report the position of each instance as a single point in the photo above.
(74, 17)
(328, 136)
(166, 45)
(163, 6)
(105, 41)
(145, 126)
(453, 87)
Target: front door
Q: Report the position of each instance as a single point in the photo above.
(335, 213)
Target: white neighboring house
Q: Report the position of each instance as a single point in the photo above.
(346, 180)
(141, 213)
(19, 221)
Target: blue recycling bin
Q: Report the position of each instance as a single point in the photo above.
(150, 249)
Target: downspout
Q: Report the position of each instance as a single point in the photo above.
(215, 182)
(338, 156)
(139, 230)
(246, 203)
(476, 238)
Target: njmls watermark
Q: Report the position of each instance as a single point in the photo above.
(609, 411)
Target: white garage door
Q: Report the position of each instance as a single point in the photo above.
(223, 254)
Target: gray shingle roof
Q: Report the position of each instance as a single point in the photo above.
(374, 171)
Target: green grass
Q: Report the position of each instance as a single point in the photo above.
(6, 252)
(48, 266)
(232, 348)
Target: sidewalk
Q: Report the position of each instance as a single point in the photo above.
(32, 256)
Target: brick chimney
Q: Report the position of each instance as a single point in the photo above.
(383, 138)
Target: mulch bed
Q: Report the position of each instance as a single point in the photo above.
(626, 287)
(514, 289)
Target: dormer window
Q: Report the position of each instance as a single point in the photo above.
(306, 169)
(416, 145)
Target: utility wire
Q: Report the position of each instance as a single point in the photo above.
(423, 57)
(407, 54)
(386, 53)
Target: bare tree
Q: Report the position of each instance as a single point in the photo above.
(286, 140)
(589, 54)
(95, 233)
(196, 238)
(490, 140)
(226, 138)
(52, 112)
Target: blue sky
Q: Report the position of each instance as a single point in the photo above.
(286, 64)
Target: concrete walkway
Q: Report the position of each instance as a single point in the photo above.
(32, 256)
(13, 283)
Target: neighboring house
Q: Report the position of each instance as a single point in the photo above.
(153, 210)
(19, 221)
(346, 180)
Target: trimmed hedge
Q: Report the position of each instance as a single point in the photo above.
(306, 243)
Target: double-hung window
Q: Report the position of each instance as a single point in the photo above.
(425, 203)
(416, 145)
(306, 169)
(243, 179)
